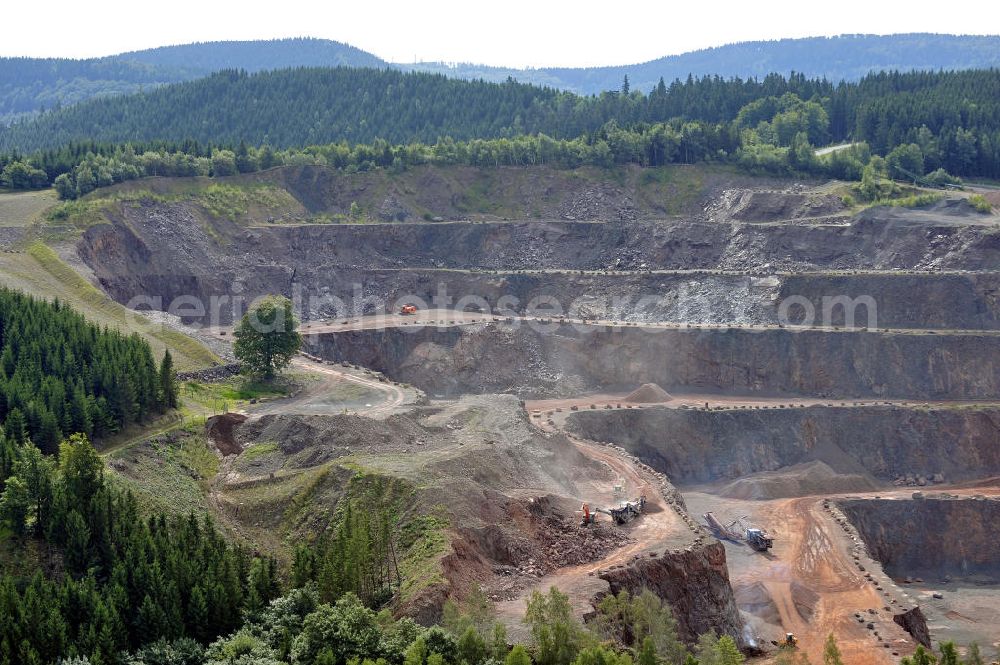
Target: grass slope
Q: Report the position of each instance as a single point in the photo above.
(24, 208)
(168, 472)
(232, 199)
(41, 273)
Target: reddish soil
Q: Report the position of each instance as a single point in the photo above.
(815, 586)
(658, 528)
(810, 579)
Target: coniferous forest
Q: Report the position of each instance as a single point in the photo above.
(115, 578)
(60, 374)
(952, 118)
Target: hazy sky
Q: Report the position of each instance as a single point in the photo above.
(505, 32)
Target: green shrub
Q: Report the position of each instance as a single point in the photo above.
(912, 201)
(979, 202)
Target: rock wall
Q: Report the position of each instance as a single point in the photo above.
(211, 374)
(567, 359)
(901, 300)
(695, 446)
(174, 249)
(885, 300)
(695, 582)
(867, 242)
(936, 537)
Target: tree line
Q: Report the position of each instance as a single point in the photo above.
(653, 146)
(952, 117)
(60, 374)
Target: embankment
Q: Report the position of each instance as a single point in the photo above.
(936, 537)
(569, 359)
(697, 446)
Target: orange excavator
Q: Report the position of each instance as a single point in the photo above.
(408, 309)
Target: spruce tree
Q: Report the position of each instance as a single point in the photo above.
(168, 381)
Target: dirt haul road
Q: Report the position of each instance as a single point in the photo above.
(658, 528)
(378, 399)
(558, 410)
(450, 317)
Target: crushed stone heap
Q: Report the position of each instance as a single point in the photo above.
(648, 393)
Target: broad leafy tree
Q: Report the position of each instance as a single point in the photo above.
(267, 337)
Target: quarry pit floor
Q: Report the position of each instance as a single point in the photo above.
(809, 583)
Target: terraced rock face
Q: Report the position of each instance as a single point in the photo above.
(929, 300)
(923, 287)
(697, 446)
(170, 250)
(934, 538)
(569, 359)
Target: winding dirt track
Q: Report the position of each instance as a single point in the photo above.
(394, 396)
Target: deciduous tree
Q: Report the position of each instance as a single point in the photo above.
(267, 337)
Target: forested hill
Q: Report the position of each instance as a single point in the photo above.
(843, 58)
(953, 113)
(254, 56)
(296, 107)
(28, 85)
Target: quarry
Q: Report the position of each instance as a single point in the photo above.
(746, 347)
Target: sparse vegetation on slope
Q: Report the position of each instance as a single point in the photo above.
(218, 199)
(43, 274)
(979, 202)
(24, 208)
